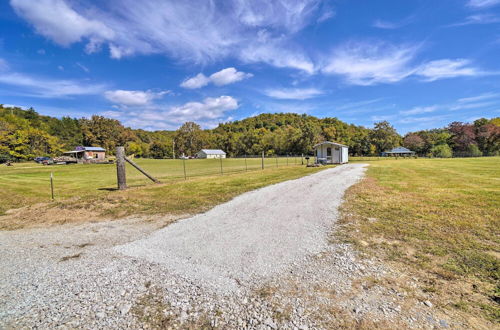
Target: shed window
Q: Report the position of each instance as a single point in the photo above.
(328, 152)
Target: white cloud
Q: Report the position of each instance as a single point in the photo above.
(228, 76)
(46, 87)
(441, 69)
(363, 63)
(208, 113)
(293, 93)
(198, 81)
(83, 67)
(56, 20)
(223, 77)
(133, 98)
(196, 31)
(210, 108)
(478, 4)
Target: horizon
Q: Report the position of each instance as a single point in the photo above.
(418, 65)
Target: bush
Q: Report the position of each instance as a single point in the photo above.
(441, 151)
(474, 151)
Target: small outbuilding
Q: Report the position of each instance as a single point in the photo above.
(88, 154)
(211, 153)
(398, 152)
(331, 153)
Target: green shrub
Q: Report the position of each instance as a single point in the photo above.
(441, 151)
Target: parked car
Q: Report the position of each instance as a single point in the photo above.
(40, 160)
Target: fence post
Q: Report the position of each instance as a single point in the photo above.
(262, 159)
(120, 168)
(184, 166)
(276, 160)
(246, 166)
(221, 171)
(302, 159)
(287, 159)
(52, 185)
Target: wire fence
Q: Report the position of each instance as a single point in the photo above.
(189, 168)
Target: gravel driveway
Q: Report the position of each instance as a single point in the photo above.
(254, 236)
(260, 261)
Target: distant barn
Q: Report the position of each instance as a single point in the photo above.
(88, 154)
(211, 153)
(331, 153)
(398, 152)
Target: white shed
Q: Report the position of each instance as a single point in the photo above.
(211, 153)
(331, 153)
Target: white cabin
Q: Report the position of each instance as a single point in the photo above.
(211, 153)
(331, 153)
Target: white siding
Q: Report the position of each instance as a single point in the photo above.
(345, 155)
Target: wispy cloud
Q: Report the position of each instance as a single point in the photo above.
(293, 93)
(49, 88)
(369, 63)
(365, 64)
(478, 19)
(420, 110)
(479, 4)
(197, 31)
(480, 97)
(223, 77)
(441, 69)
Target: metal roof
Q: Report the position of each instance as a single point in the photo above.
(328, 142)
(213, 151)
(94, 149)
(399, 150)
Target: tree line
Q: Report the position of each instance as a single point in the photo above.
(25, 134)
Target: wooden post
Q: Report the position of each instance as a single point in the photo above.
(302, 159)
(276, 160)
(120, 168)
(246, 166)
(141, 170)
(52, 185)
(262, 159)
(184, 166)
(221, 171)
(287, 159)
(173, 149)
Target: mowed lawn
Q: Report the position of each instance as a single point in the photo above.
(439, 218)
(89, 190)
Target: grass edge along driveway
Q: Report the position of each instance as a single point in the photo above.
(439, 220)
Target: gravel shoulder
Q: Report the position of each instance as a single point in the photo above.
(260, 261)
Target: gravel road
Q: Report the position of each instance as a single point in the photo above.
(254, 236)
(261, 261)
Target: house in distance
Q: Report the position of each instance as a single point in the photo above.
(398, 152)
(88, 155)
(211, 153)
(331, 153)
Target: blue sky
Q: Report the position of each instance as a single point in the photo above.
(155, 64)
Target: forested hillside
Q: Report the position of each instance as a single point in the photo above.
(25, 134)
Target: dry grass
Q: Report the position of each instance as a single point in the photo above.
(439, 220)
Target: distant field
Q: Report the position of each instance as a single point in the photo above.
(439, 218)
(78, 186)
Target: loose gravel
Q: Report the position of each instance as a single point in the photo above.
(255, 236)
(260, 261)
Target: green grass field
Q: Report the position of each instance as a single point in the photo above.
(88, 191)
(440, 218)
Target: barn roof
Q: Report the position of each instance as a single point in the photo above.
(328, 142)
(399, 150)
(213, 151)
(94, 149)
